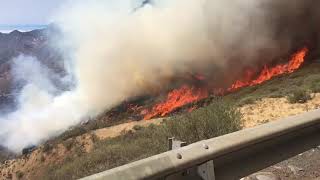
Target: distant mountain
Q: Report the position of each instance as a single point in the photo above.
(34, 43)
(7, 28)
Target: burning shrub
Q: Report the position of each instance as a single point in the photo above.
(299, 96)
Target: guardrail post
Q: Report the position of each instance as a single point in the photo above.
(176, 144)
(206, 171)
(202, 172)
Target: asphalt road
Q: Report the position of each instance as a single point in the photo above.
(305, 166)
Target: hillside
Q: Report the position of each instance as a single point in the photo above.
(109, 82)
(35, 43)
(110, 141)
(5, 154)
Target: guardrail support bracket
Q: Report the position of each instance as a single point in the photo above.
(202, 172)
(206, 171)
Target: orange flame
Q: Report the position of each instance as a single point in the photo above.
(267, 73)
(186, 94)
(176, 99)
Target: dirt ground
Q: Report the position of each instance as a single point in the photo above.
(271, 109)
(305, 166)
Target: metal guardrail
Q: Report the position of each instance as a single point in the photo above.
(227, 157)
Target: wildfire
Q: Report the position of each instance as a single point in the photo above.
(176, 99)
(186, 94)
(267, 73)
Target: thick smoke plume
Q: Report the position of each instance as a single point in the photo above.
(121, 49)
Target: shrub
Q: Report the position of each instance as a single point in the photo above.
(299, 96)
(5, 156)
(94, 138)
(276, 95)
(47, 147)
(217, 119)
(315, 87)
(42, 158)
(68, 144)
(247, 100)
(137, 127)
(19, 174)
(77, 131)
(2, 158)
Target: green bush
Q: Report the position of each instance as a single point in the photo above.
(315, 87)
(276, 95)
(217, 119)
(247, 100)
(299, 96)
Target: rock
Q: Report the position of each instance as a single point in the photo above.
(277, 167)
(295, 169)
(263, 176)
(28, 150)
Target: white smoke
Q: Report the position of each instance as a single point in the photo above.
(40, 113)
(119, 51)
(30, 71)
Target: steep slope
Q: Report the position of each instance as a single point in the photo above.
(34, 43)
(258, 104)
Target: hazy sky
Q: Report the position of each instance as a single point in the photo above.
(27, 11)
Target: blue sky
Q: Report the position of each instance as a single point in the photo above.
(27, 11)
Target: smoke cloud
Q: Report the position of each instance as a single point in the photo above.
(121, 49)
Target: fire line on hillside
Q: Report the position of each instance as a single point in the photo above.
(188, 94)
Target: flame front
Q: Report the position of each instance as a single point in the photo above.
(267, 73)
(187, 94)
(177, 98)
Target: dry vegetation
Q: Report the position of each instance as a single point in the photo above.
(270, 109)
(2, 158)
(217, 119)
(96, 146)
(299, 96)
(307, 79)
